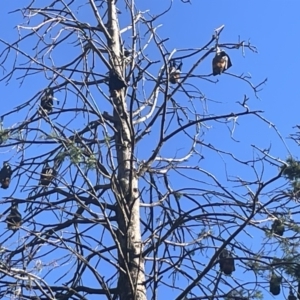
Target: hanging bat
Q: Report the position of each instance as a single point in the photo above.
(275, 284)
(174, 71)
(278, 227)
(115, 84)
(127, 53)
(221, 62)
(47, 101)
(226, 262)
(291, 295)
(14, 219)
(47, 175)
(5, 175)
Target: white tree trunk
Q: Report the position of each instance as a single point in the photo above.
(132, 274)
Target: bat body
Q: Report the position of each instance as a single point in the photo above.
(5, 175)
(221, 62)
(275, 284)
(292, 296)
(47, 101)
(47, 175)
(115, 84)
(174, 72)
(278, 227)
(226, 262)
(14, 219)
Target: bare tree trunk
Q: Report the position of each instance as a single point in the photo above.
(132, 276)
(80, 234)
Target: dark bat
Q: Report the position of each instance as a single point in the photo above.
(291, 295)
(47, 101)
(5, 175)
(226, 262)
(14, 219)
(47, 175)
(275, 284)
(115, 84)
(221, 62)
(278, 227)
(174, 71)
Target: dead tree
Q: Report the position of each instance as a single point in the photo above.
(127, 180)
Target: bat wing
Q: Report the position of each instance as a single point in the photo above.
(229, 64)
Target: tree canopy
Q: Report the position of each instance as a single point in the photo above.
(124, 175)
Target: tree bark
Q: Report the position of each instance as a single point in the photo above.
(132, 275)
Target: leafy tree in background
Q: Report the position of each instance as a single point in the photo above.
(124, 189)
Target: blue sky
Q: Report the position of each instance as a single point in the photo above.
(273, 29)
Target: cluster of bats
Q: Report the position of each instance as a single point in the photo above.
(275, 281)
(14, 219)
(220, 63)
(115, 84)
(226, 262)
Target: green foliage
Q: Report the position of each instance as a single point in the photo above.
(294, 227)
(91, 162)
(295, 186)
(75, 154)
(4, 133)
(257, 267)
(61, 157)
(292, 173)
(258, 295)
(4, 136)
(50, 136)
(292, 268)
(237, 295)
(292, 170)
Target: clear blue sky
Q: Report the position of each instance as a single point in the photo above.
(272, 26)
